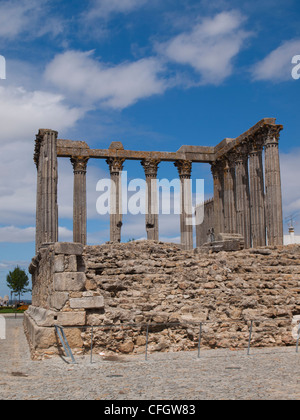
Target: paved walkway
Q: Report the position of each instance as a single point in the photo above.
(218, 374)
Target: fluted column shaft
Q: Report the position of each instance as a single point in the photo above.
(273, 190)
(186, 226)
(243, 197)
(257, 199)
(116, 167)
(218, 176)
(150, 167)
(47, 178)
(229, 198)
(79, 200)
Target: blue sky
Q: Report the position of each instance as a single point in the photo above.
(153, 74)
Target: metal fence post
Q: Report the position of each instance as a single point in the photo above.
(63, 339)
(250, 336)
(200, 337)
(147, 338)
(92, 337)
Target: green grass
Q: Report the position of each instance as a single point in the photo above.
(10, 311)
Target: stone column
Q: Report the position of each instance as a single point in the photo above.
(115, 167)
(243, 195)
(150, 167)
(186, 227)
(257, 196)
(218, 176)
(79, 199)
(46, 204)
(229, 196)
(273, 198)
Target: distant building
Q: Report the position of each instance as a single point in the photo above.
(291, 238)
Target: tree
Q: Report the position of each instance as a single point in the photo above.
(18, 282)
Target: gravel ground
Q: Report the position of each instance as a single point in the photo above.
(218, 374)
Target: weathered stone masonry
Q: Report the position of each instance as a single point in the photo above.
(112, 284)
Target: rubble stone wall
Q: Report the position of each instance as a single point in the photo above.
(140, 282)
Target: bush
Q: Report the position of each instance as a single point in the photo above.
(11, 310)
(23, 308)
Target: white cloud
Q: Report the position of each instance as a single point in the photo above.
(290, 175)
(14, 17)
(119, 86)
(14, 234)
(22, 113)
(277, 66)
(24, 16)
(170, 239)
(104, 8)
(64, 234)
(210, 47)
(6, 266)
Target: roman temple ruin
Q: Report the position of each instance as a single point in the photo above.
(75, 285)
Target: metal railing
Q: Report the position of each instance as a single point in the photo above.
(148, 326)
(63, 339)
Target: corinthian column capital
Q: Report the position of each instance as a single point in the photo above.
(115, 164)
(150, 166)
(216, 169)
(79, 164)
(241, 153)
(42, 137)
(226, 164)
(271, 135)
(184, 168)
(256, 143)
